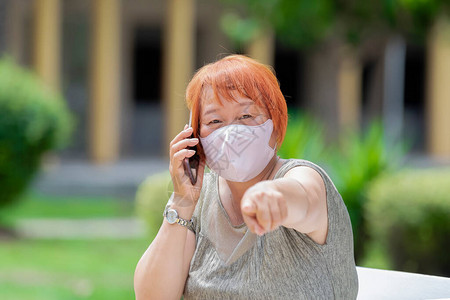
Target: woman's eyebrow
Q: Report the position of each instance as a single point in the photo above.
(210, 111)
(249, 103)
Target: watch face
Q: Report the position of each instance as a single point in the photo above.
(172, 216)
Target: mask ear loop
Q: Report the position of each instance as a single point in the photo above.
(276, 145)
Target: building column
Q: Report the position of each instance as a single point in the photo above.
(105, 82)
(262, 47)
(15, 29)
(47, 41)
(321, 88)
(349, 83)
(178, 64)
(333, 77)
(393, 89)
(4, 5)
(438, 89)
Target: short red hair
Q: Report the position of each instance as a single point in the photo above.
(239, 73)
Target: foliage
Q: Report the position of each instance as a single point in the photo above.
(353, 161)
(296, 22)
(240, 30)
(408, 218)
(304, 138)
(304, 23)
(151, 198)
(357, 160)
(33, 121)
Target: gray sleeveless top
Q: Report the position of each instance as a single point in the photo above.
(230, 262)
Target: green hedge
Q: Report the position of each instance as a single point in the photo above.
(33, 121)
(353, 160)
(408, 216)
(151, 198)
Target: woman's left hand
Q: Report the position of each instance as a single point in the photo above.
(263, 207)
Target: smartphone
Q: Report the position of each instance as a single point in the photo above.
(192, 163)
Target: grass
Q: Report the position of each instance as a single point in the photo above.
(35, 205)
(77, 269)
(68, 269)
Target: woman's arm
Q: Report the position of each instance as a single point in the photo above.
(305, 194)
(298, 201)
(162, 271)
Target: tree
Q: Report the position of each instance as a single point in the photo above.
(303, 23)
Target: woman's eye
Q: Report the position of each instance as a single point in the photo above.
(246, 116)
(214, 122)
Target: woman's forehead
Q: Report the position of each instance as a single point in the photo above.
(209, 100)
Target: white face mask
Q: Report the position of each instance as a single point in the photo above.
(239, 152)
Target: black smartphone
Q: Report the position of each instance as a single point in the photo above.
(192, 163)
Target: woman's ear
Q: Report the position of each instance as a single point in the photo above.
(273, 142)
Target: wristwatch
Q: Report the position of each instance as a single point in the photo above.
(172, 217)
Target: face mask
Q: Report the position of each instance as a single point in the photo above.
(239, 152)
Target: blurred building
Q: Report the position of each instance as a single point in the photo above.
(123, 66)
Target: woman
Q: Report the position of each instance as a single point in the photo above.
(256, 226)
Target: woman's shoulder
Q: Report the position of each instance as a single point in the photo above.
(209, 182)
(209, 188)
(208, 192)
(290, 163)
(298, 161)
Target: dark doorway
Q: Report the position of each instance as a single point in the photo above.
(147, 117)
(288, 69)
(147, 65)
(414, 123)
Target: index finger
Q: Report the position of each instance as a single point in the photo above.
(182, 135)
(253, 225)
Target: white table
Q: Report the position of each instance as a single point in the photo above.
(383, 284)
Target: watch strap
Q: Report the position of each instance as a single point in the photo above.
(189, 224)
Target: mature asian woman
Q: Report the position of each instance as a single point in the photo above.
(256, 226)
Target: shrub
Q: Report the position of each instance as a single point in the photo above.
(151, 198)
(408, 220)
(353, 161)
(358, 159)
(33, 121)
(304, 138)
